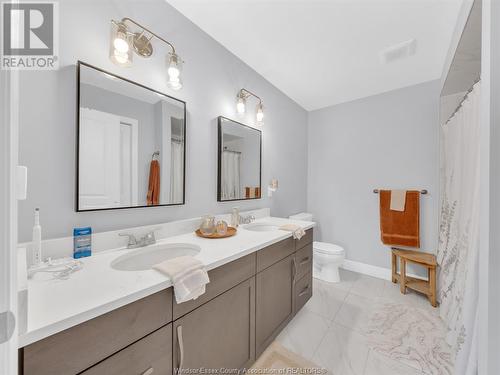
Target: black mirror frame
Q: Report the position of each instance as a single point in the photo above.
(77, 149)
(219, 159)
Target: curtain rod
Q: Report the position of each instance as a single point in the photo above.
(462, 102)
(424, 191)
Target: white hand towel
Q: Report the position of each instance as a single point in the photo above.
(188, 276)
(296, 230)
(398, 200)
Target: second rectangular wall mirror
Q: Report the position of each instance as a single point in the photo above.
(239, 161)
(131, 144)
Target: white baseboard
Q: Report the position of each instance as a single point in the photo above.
(370, 270)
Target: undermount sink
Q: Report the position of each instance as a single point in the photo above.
(145, 258)
(261, 227)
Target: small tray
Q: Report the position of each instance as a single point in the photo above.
(230, 232)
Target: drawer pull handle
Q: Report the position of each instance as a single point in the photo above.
(180, 341)
(304, 291)
(149, 371)
(305, 260)
(294, 269)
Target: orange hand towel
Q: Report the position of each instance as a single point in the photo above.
(154, 184)
(400, 228)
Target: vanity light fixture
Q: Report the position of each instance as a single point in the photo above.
(125, 41)
(241, 102)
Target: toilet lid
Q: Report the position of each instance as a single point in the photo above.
(327, 248)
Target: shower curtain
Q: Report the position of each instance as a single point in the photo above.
(177, 172)
(230, 181)
(458, 250)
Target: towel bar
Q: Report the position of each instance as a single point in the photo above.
(376, 191)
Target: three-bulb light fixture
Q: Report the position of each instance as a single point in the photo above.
(125, 42)
(241, 104)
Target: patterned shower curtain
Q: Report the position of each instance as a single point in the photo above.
(458, 251)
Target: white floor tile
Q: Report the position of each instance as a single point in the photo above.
(355, 312)
(304, 333)
(368, 286)
(342, 351)
(326, 300)
(377, 364)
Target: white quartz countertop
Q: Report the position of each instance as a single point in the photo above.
(55, 305)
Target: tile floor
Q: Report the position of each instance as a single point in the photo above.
(365, 326)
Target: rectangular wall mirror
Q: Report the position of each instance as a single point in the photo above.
(131, 144)
(239, 161)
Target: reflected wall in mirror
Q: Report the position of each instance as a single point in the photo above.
(131, 144)
(239, 161)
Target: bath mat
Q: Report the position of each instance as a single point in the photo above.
(277, 357)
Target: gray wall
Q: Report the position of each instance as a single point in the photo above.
(212, 77)
(389, 140)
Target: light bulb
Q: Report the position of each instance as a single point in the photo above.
(120, 43)
(120, 57)
(173, 72)
(240, 105)
(174, 67)
(260, 112)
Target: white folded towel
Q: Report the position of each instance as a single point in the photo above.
(296, 230)
(188, 276)
(398, 200)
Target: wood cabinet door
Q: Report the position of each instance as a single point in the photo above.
(218, 334)
(274, 301)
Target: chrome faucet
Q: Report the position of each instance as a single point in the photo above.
(246, 219)
(148, 239)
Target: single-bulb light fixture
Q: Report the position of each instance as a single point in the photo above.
(241, 104)
(174, 67)
(260, 112)
(119, 49)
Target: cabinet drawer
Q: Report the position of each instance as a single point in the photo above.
(80, 347)
(151, 355)
(305, 240)
(303, 261)
(303, 291)
(274, 253)
(221, 279)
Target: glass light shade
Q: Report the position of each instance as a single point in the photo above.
(260, 113)
(120, 51)
(241, 105)
(174, 68)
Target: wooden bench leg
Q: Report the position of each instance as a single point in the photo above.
(394, 268)
(402, 277)
(432, 286)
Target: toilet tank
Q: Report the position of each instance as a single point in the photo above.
(302, 216)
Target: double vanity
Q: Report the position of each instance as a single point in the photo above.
(118, 316)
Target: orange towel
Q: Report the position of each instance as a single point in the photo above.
(154, 183)
(400, 228)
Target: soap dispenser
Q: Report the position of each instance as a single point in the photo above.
(235, 217)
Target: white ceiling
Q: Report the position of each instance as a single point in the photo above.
(325, 52)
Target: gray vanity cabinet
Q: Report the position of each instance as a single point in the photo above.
(274, 301)
(218, 334)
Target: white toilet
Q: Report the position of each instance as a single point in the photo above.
(327, 257)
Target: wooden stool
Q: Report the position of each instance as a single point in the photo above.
(427, 287)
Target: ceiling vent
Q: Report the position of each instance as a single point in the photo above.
(398, 51)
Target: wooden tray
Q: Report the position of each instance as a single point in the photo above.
(230, 232)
